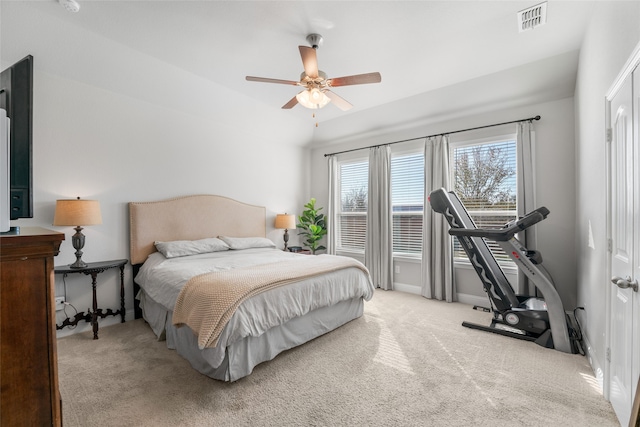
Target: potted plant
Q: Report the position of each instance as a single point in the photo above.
(313, 226)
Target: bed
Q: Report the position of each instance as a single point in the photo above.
(177, 242)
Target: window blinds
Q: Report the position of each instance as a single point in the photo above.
(407, 195)
(353, 205)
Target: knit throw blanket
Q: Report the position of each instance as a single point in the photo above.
(207, 301)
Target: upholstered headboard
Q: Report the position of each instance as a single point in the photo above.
(190, 218)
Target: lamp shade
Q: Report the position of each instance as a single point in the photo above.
(286, 221)
(313, 98)
(77, 212)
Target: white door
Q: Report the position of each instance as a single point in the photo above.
(624, 250)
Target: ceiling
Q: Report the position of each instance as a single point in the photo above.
(419, 47)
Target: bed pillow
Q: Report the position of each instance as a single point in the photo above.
(247, 242)
(180, 248)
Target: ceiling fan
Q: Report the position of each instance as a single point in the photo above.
(316, 93)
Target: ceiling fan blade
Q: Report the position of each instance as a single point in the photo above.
(265, 80)
(338, 101)
(292, 103)
(358, 79)
(309, 61)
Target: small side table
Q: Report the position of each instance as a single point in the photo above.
(93, 269)
(301, 251)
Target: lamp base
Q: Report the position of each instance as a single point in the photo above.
(78, 264)
(286, 238)
(78, 243)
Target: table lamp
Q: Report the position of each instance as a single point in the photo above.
(77, 213)
(288, 222)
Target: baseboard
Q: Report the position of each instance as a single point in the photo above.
(403, 287)
(473, 300)
(596, 366)
(461, 298)
(83, 326)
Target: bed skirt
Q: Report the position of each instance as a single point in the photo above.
(242, 356)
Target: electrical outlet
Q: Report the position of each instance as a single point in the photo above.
(397, 269)
(59, 303)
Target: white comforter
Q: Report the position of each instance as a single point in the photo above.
(162, 279)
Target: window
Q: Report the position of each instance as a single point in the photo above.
(484, 178)
(352, 215)
(407, 196)
(407, 189)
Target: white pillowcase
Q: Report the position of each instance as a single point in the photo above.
(247, 242)
(180, 248)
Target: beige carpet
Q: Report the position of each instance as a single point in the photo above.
(406, 362)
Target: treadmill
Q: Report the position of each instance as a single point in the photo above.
(542, 320)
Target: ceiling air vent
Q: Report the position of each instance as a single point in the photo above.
(532, 17)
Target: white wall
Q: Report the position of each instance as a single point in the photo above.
(152, 132)
(555, 172)
(610, 39)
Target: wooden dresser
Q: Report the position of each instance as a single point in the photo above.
(29, 394)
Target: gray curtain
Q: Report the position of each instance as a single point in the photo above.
(332, 206)
(526, 201)
(378, 252)
(437, 261)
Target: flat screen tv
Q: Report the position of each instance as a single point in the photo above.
(16, 98)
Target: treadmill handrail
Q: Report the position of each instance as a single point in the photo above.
(504, 234)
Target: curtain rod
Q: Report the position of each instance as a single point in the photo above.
(530, 119)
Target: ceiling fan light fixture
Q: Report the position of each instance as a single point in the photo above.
(313, 98)
(70, 5)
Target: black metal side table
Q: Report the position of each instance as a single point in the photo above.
(93, 269)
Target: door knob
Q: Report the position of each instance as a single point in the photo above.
(625, 283)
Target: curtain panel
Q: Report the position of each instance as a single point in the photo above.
(333, 206)
(378, 252)
(437, 254)
(526, 197)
